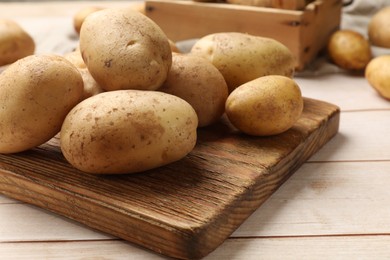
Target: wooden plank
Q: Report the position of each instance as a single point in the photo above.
(185, 209)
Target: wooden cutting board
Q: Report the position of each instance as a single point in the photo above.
(185, 209)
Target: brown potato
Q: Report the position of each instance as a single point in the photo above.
(124, 49)
(200, 83)
(36, 94)
(349, 50)
(378, 76)
(15, 42)
(265, 106)
(379, 28)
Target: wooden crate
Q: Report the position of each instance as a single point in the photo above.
(305, 32)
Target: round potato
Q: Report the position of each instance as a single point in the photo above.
(242, 57)
(349, 50)
(200, 83)
(91, 87)
(127, 131)
(15, 43)
(379, 28)
(378, 76)
(265, 106)
(124, 49)
(80, 16)
(36, 93)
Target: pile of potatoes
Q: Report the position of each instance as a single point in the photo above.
(127, 100)
(351, 51)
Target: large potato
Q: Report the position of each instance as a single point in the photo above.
(15, 43)
(36, 93)
(379, 28)
(378, 76)
(127, 131)
(349, 50)
(242, 57)
(199, 82)
(265, 106)
(124, 49)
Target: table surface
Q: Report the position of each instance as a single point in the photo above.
(335, 206)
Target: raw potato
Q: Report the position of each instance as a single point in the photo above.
(377, 74)
(36, 93)
(128, 131)
(80, 16)
(91, 87)
(265, 106)
(15, 43)
(349, 50)
(242, 57)
(124, 49)
(200, 83)
(379, 28)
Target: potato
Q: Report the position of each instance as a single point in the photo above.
(15, 43)
(265, 106)
(80, 16)
(124, 49)
(200, 83)
(242, 57)
(378, 76)
(36, 93)
(349, 50)
(128, 131)
(91, 87)
(379, 28)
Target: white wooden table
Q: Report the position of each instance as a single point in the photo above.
(336, 206)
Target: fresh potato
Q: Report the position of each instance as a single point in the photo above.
(80, 16)
(124, 49)
(91, 87)
(15, 43)
(378, 76)
(265, 106)
(242, 57)
(36, 93)
(379, 28)
(349, 50)
(200, 83)
(127, 131)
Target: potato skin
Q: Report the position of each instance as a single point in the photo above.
(128, 131)
(36, 93)
(15, 43)
(349, 50)
(265, 106)
(242, 57)
(200, 83)
(124, 49)
(80, 16)
(377, 75)
(379, 28)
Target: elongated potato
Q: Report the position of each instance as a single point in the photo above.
(36, 93)
(127, 131)
(15, 42)
(242, 57)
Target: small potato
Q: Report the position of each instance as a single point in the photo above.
(80, 16)
(265, 106)
(15, 43)
(91, 87)
(36, 93)
(128, 131)
(379, 28)
(378, 76)
(242, 57)
(349, 50)
(124, 49)
(200, 83)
